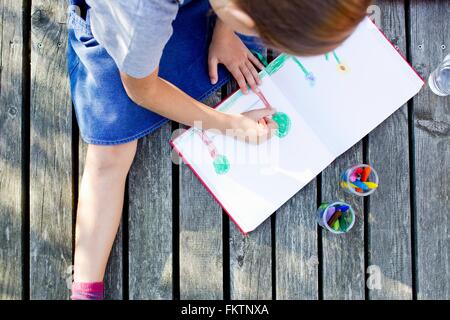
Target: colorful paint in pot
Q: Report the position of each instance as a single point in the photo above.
(360, 180)
(336, 217)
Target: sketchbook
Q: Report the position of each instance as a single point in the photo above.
(325, 105)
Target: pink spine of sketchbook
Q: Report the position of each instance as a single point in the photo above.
(204, 183)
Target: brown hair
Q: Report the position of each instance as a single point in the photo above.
(305, 27)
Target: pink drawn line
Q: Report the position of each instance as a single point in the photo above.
(261, 96)
(208, 142)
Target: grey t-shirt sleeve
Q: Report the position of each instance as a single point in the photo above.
(133, 32)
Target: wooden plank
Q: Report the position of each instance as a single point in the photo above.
(389, 210)
(11, 103)
(343, 256)
(430, 43)
(296, 247)
(150, 218)
(250, 258)
(251, 263)
(201, 243)
(51, 180)
(114, 270)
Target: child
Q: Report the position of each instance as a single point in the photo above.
(135, 63)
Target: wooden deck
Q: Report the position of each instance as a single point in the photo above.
(174, 241)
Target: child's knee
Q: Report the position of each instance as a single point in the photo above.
(117, 157)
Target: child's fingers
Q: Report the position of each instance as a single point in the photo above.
(254, 72)
(258, 114)
(266, 134)
(255, 61)
(249, 77)
(213, 73)
(271, 124)
(263, 121)
(239, 77)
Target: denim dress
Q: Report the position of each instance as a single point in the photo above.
(105, 113)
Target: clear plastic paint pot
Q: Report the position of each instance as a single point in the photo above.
(360, 180)
(336, 217)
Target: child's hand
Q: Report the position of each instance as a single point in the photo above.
(226, 48)
(254, 127)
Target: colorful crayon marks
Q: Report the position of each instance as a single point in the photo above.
(309, 76)
(356, 180)
(342, 67)
(284, 124)
(221, 164)
(282, 119)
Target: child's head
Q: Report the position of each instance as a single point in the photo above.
(300, 27)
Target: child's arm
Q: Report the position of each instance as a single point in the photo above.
(165, 99)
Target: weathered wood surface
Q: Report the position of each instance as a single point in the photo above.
(389, 210)
(114, 270)
(51, 177)
(404, 231)
(201, 242)
(343, 256)
(296, 248)
(430, 43)
(11, 165)
(150, 219)
(251, 263)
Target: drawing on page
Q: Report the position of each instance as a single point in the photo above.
(342, 67)
(220, 162)
(284, 124)
(282, 119)
(309, 76)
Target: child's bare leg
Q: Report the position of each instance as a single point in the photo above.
(100, 207)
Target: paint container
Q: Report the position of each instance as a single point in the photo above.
(439, 80)
(336, 217)
(360, 180)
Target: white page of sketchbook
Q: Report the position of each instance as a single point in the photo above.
(261, 178)
(342, 108)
